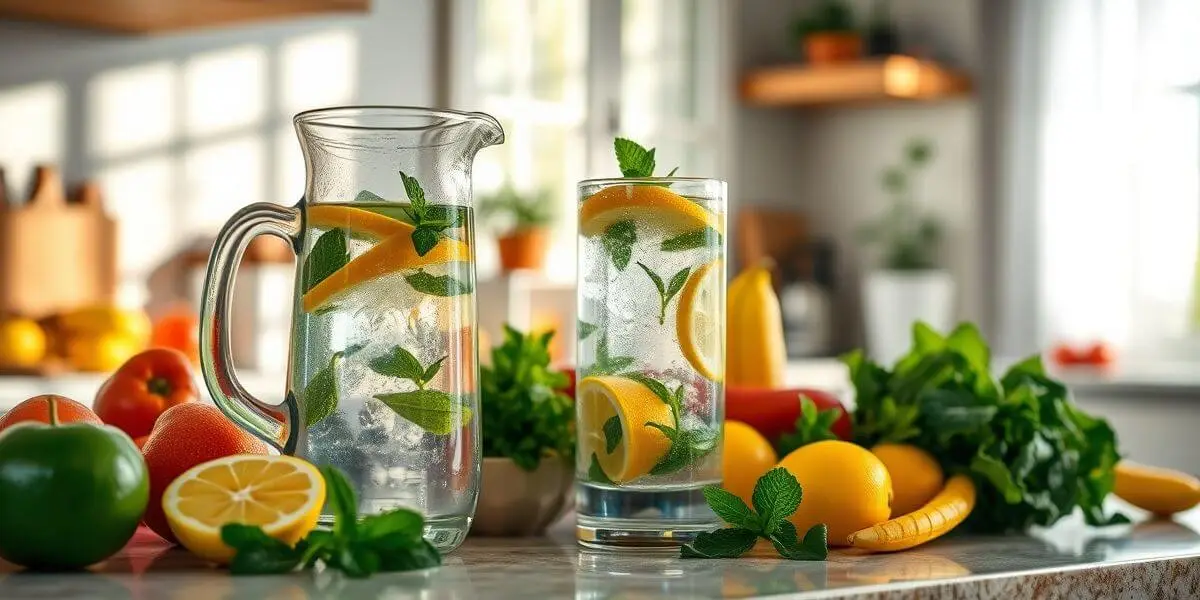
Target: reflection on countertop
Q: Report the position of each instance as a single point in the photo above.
(1147, 559)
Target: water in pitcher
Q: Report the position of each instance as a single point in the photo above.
(383, 365)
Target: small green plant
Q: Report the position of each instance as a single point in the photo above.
(510, 210)
(909, 236)
(828, 16)
(526, 416)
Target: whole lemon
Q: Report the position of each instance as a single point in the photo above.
(745, 456)
(845, 487)
(101, 353)
(916, 475)
(22, 343)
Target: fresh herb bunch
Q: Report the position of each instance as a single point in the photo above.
(391, 541)
(515, 211)
(1034, 456)
(830, 16)
(909, 236)
(776, 497)
(813, 425)
(526, 416)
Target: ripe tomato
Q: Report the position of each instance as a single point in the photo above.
(773, 412)
(143, 388)
(180, 330)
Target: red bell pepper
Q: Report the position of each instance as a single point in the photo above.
(773, 412)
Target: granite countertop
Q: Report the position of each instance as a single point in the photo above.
(1149, 559)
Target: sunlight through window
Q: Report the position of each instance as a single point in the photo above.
(219, 179)
(211, 103)
(139, 195)
(132, 109)
(319, 70)
(33, 121)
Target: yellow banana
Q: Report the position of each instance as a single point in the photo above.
(756, 356)
(95, 320)
(1163, 492)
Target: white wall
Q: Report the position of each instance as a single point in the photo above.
(827, 162)
(184, 128)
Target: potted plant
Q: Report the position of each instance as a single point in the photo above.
(522, 220)
(528, 437)
(828, 34)
(909, 285)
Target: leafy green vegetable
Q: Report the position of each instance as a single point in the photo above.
(438, 285)
(526, 416)
(328, 254)
(776, 497)
(618, 241)
(433, 410)
(390, 541)
(321, 393)
(812, 425)
(690, 240)
(666, 291)
(1034, 456)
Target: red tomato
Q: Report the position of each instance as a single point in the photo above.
(773, 412)
(144, 387)
(1065, 355)
(1099, 354)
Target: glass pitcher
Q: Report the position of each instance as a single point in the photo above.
(383, 352)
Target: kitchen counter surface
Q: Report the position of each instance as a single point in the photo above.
(1150, 559)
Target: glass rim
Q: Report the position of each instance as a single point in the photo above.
(440, 118)
(605, 181)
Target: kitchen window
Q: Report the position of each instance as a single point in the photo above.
(566, 76)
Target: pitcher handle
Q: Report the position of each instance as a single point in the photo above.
(216, 356)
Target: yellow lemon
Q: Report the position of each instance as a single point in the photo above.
(745, 456)
(916, 475)
(395, 253)
(698, 321)
(613, 426)
(281, 494)
(355, 220)
(22, 343)
(655, 205)
(845, 487)
(102, 352)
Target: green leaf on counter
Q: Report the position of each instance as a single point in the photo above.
(775, 497)
(814, 546)
(438, 285)
(730, 508)
(328, 254)
(340, 497)
(432, 410)
(722, 543)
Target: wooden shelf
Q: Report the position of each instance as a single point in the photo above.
(889, 79)
(158, 16)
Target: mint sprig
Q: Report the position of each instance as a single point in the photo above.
(432, 410)
(618, 241)
(690, 240)
(430, 225)
(604, 363)
(666, 291)
(391, 541)
(328, 254)
(635, 160)
(321, 393)
(813, 425)
(688, 444)
(776, 497)
(439, 285)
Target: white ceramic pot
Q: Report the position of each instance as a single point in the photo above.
(894, 300)
(516, 502)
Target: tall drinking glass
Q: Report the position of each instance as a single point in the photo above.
(383, 353)
(650, 405)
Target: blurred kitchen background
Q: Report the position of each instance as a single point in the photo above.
(1032, 166)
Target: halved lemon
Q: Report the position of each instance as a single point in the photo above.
(698, 321)
(637, 447)
(281, 494)
(355, 220)
(396, 253)
(651, 204)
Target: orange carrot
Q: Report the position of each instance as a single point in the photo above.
(941, 514)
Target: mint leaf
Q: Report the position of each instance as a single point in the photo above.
(677, 282)
(814, 547)
(340, 496)
(673, 171)
(321, 393)
(666, 291)
(812, 425)
(596, 472)
(730, 508)
(690, 240)
(431, 410)
(398, 362)
(327, 255)
(416, 195)
(585, 330)
(612, 434)
(438, 285)
(397, 526)
(424, 238)
(722, 543)
(658, 282)
(605, 364)
(687, 446)
(633, 159)
(368, 196)
(618, 240)
(775, 498)
(433, 369)
(655, 386)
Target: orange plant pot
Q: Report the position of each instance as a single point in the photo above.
(523, 249)
(832, 48)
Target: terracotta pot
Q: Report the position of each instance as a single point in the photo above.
(832, 47)
(516, 502)
(523, 249)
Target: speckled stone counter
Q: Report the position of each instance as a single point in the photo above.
(1152, 559)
